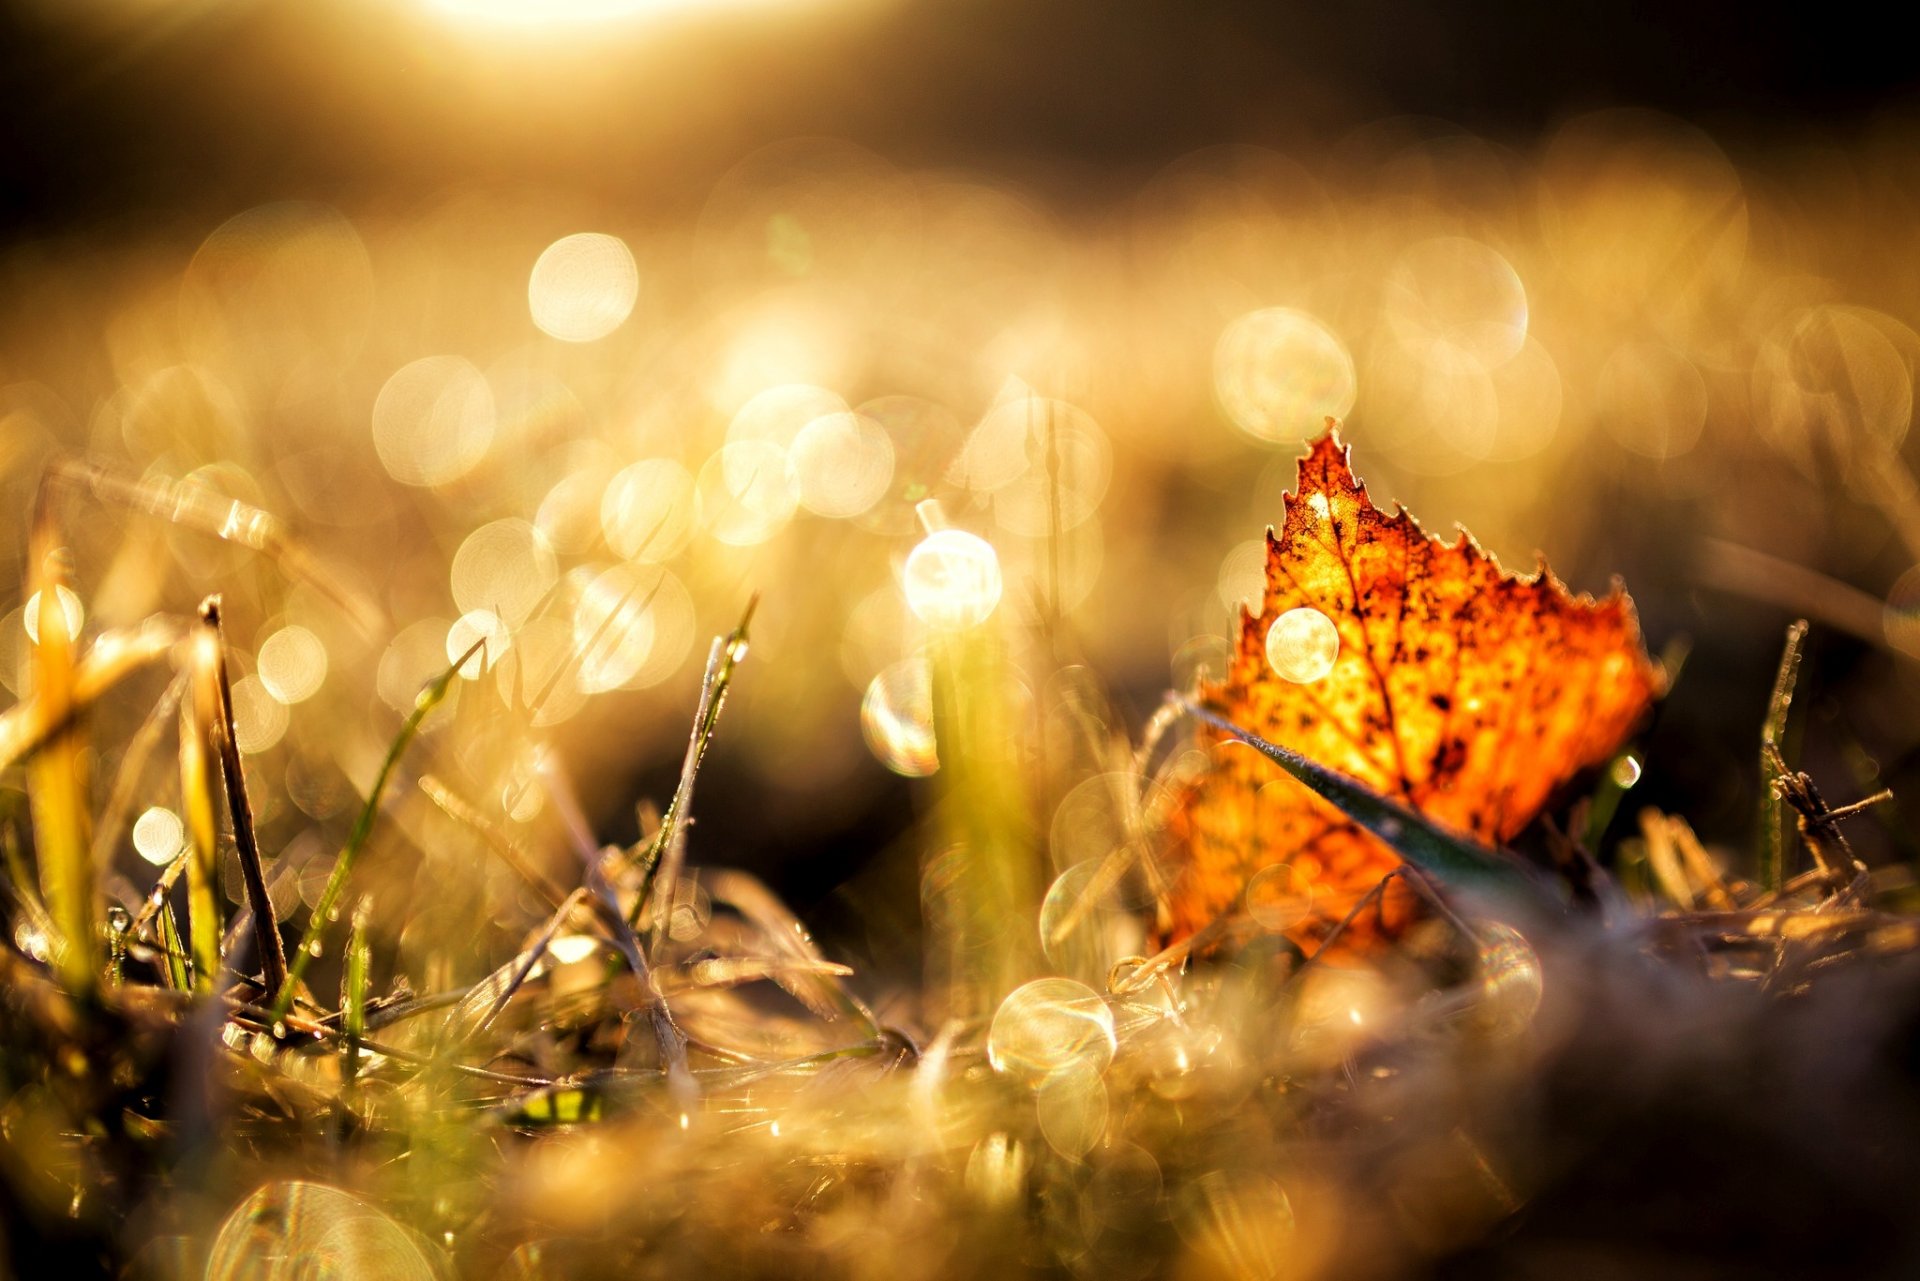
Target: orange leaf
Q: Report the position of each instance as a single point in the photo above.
(1416, 666)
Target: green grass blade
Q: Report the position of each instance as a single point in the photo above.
(663, 850)
(329, 905)
(1454, 859)
(57, 783)
(199, 715)
(176, 972)
(1772, 734)
(354, 981)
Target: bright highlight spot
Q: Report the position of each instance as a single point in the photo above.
(288, 1228)
(1302, 644)
(583, 287)
(952, 579)
(569, 948)
(159, 835)
(647, 511)
(553, 13)
(72, 611)
(1511, 985)
(412, 658)
(1652, 399)
(1075, 918)
(541, 666)
(1043, 460)
(292, 664)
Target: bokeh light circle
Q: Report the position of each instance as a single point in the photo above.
(1302, 645)
(1048, 1026)
(583, 287)
(504, 566)
(647, 511)
(292, 664)
(896, 717)
(433, 421)
(1280, 374)
(952, 579)
(298, 1230)
(159, 835)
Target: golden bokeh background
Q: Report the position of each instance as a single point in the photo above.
(572, 329)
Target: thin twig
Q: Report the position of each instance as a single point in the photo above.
(266, 925)
(1820, 824)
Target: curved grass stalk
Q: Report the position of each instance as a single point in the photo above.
(328, 907)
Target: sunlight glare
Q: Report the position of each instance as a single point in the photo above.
(551, 13)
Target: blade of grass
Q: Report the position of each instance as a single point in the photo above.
(985, 826)
(327, 908)
(212, 651)
(1773, 732)
(819, 989)
(57, 772)
(199, 508)
(1758, 576)
(20, 883)
(157, 896)
(662, 858)
(1453, 858)
(483, 1002)
(176, 972)
(112, 657)
(353, 987)
(199, 716)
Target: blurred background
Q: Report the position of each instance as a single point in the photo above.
(573, 325)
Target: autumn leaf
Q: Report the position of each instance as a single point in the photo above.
(1418, 668)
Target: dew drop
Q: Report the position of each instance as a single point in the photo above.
(1511, 984)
